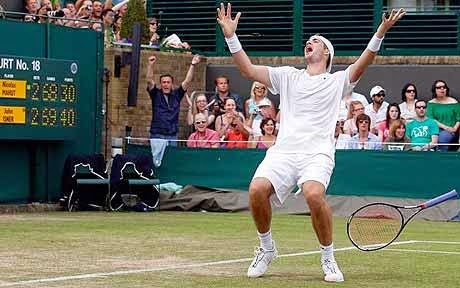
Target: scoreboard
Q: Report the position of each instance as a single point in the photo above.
(39, 98)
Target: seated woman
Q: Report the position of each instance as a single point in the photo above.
(349, 127)
(364, 139)
(393, 114)
(199, 105)
(224, 121)
(397, 139)
(268, 138)
(203, 137)
(445, 110)
(253, 107)
(237, 135)
(407, 107)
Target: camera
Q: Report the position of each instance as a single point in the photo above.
(56, 14)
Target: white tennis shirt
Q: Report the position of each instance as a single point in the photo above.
(309, 109)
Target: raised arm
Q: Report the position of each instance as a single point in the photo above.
(248, 70)
(150, 81)
(189, 77)
(367, 57)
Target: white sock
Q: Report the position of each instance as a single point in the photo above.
(327, 252)
(266, 241)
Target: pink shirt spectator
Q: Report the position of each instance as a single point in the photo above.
(382, 126)
(208, 139)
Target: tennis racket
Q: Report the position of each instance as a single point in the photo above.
(376, 225)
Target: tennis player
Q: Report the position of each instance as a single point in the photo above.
(304, 151)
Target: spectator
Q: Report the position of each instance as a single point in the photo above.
(117, 28)
(268, 138)
(378, 108)
(397, 139)
(445, 111)
(154, 37)
(32, 8)
(97, 10)
(354, 109)
(202, 137)
(345, 103)
(47, 4)
(166, 101)
(236, 135)
(364, 139)
(258, 93)
(393, 113)
(200, 106)
(263, 109)
(223, 92)
(341, 139)
(422, 131)
(72, 9)
(96, 26)
(107, 16)
(407, 107)
(84, 13)
(231, 116)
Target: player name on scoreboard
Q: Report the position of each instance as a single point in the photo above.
(12, 115)
(13, 89)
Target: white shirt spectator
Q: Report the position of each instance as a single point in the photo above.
(406, 113)
(344, 104)
(310, 106)
(376, 116)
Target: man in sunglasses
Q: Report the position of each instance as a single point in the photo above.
(422, 131)
(377, 110)
(303, 154)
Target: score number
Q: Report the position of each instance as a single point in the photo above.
(51, 90)
(51, 117)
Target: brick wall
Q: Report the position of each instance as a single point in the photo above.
(119, 115)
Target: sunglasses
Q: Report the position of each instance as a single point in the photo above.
(441, 87)
(257, 87)
(410, 91)
(380, 95)
(200, 122)
(363, 121)
(420, 107)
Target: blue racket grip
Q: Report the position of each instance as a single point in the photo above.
(444, 197)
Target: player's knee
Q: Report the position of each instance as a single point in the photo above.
(259, 189)
(314, 197)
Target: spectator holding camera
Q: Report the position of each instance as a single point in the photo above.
(229, 119)
(166, 101)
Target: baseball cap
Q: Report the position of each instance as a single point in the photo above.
(264, 102)
(376, 90)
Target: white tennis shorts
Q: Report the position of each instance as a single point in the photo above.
(286, 171)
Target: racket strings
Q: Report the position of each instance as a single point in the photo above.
(375, 225)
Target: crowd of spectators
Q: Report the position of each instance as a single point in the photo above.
(413, 124)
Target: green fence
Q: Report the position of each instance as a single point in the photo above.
(281, 27)
(419, 175)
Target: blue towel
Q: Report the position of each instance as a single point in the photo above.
(158, 147)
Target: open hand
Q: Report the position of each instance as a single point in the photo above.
(388, 22)
(196, 59)
(152, 60)
(224, 18)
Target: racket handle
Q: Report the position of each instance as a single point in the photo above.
(444, 197)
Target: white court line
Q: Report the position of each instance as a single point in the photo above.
(437, 242)
(185, 266)
(423, 251)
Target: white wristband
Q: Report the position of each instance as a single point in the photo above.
(234, 44)
(374, 44)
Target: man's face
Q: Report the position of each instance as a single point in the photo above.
(379, 97)
(222, 85)
(97, 8)
(420, 109)
(108, 18)
(166, 84)
(32, 6)
(71, 8)
(47, 3)
(200, 122)
(315, 50)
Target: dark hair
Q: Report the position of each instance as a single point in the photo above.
(420, 100)
(167, 75)
(433, 88)
(264, 122)
(221, 76)
(105, 11)
(403, 91)
(363, 117)
(229, 98)
(387, 124)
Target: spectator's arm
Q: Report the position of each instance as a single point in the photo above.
(433, 143)
(189, 77)
(108, 4)
(150, 81)
(119, 5)
(78, 4)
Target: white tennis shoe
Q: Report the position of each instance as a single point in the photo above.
(262, 259)
(331, 270)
